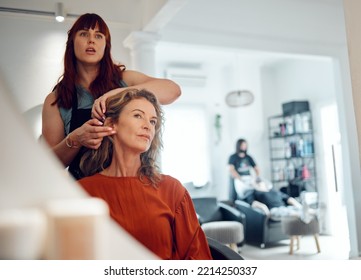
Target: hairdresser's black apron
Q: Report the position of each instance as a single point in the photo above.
(78, 118)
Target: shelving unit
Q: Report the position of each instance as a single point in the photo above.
(292, 153)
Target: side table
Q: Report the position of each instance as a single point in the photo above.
(295, 227)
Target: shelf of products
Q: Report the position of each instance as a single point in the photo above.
(292, 152)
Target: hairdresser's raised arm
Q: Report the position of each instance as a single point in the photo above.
(165, 90)
(89, 135)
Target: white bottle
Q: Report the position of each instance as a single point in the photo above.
(289, 126)
(298, 124)
(288, 152)
(290, 171)
(305, 123)
(276, 173)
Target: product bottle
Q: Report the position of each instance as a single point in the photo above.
(305, 123)
(276, 173)
(306, 152)
(305, 172)
(300, 148)
(290, 171)
(289, 126)
(283, 129)
(288, 152)
(298, 124)
(293, 149)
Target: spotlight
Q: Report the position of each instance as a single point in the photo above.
(59, 12)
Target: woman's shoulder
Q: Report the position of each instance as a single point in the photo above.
(50, 98)
(169, 180)
(173, 191)
(48, 105)
(172, 185)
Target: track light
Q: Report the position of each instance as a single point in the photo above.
(59, 12)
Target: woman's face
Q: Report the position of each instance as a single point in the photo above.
(89, 46)
(136, 126)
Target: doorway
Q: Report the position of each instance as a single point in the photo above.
(332, 196)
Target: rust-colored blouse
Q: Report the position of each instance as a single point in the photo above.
(162, 218)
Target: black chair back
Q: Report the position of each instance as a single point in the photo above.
(208, 209)
(222, 252)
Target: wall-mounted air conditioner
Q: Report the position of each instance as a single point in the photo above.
(187, 77)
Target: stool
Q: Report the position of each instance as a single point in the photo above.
(226, 232)
(295, 227)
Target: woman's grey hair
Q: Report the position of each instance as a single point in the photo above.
(94, 161)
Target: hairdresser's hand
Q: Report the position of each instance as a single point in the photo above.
(99, 106)
(90, 134)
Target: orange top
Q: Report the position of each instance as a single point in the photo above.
(162, 218)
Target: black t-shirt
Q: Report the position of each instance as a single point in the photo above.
(242, 165)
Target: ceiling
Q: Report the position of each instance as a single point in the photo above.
(135, 14)
(236, 24)
(210, 18)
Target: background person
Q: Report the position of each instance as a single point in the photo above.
(243, 170)
(277, 204)
(273, 203)
(154, 208)
(90, 77)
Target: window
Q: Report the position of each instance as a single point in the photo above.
(185, 153)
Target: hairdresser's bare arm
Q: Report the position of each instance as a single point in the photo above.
(233, 172)
(89, 134)
(53, 131)
(257, 171)
(165, 90)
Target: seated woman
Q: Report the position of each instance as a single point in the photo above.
(276, 204)
(154, 208)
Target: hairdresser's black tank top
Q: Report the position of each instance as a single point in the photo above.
(78, 118)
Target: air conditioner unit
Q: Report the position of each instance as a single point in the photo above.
(187, 77)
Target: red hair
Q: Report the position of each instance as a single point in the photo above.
(109, 73)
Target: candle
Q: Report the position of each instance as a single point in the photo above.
(77, 229)
(22, 233)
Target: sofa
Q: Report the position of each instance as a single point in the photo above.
(210, 210)
(260, 229)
